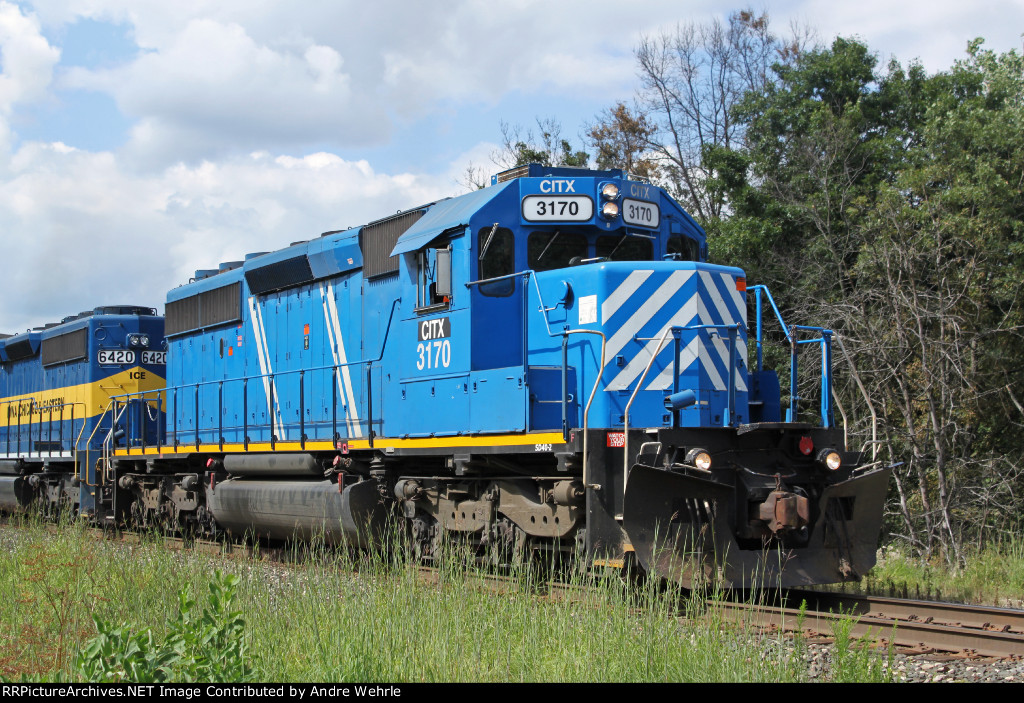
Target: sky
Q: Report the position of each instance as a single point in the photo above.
(141, 140)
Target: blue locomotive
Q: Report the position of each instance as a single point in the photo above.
(56, 385)
(548, 363)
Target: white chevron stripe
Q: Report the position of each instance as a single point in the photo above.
(740, 303)
(645, 312)
(708, 306)
(263, 354)
(738, 299)
(711, 294)
(621, 294)
(720, 343)
(332, 344)
(639, 362)
(687, 355)
(344, 379)
(711, 369)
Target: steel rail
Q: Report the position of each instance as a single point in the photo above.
(922, 625)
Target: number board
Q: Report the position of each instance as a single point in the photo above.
(640, 213)
(434, 350)
(116, 356)
(157, 358)
(558, 208)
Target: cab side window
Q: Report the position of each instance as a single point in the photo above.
(496, 257)
(434, 278)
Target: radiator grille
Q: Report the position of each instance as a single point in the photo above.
(282, 274)
(378, 239)
(206, 309)
(69, 346)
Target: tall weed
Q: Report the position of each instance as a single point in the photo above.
(207, 646)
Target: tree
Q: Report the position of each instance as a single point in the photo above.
(942, 267)
(521, 145)
(690, 81)
(621, 139)
(893, 203)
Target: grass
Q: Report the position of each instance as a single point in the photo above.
(992, 576)
(84, 609)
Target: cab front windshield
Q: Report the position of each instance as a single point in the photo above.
(547, 250)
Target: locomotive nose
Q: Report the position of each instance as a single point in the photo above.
(682, 529)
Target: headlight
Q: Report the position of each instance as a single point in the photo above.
(144, 340)
(699, 458)
(830, 458)
(610, 191)
(133, 340)
(610, 210)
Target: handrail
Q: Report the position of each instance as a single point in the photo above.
(95, 428)
(825, 342)
(867, 399)
(137, 396)
(78, 442)
(565, 371)
(625, 416)
(730, 414)
(49, 410)
(482, 281)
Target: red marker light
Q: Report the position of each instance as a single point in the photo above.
(806, 446)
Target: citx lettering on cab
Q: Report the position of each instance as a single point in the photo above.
(557, 185)
(640, 191)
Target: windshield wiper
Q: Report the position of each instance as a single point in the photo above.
(548, 246)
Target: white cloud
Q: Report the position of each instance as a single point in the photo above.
(26, 57)
(85, 232)
(934, 32)
(236, 76)
(214, 90)
(26, 64)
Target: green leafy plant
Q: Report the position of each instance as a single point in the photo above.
(207, 646)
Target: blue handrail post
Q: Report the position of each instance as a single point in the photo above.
(197, 417)
(334, 405)
(565, 385)
(302, 409)
(677, 343)
(245, 413)
(757, 309)
(791, 413)
(220, 415)
(160, 421)
(174, 416)
(827, 418)
(730, 411)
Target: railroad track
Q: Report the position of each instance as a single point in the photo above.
(916, 626)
